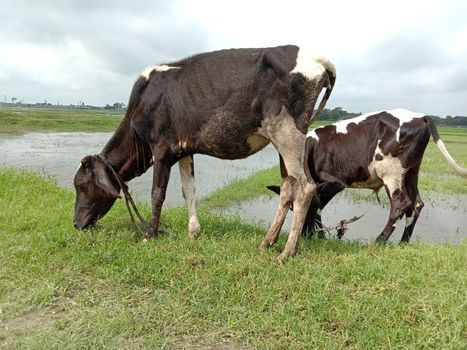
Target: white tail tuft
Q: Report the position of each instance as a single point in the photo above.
(460, 170)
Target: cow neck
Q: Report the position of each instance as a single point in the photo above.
(126, 153)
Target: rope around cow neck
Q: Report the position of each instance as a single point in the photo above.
(129, 201)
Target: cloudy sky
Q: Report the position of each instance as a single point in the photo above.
(410, 54)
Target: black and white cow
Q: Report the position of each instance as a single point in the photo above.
(379, 149)
(227, 104)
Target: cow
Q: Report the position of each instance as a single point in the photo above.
(374, 150)
(227, 104)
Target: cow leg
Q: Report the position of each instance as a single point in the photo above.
(159, 188)
(285, 200)
(187, 175)
(312, 221)
(290, 143)
(411, 219)
(413, 212)
(400, 202)
(302, 193)
(326, 192)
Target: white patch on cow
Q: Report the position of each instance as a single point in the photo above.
(326, 63)
(318, 212)
(387, 171)
(189, 193)
(310, 66)
(404, 116)
(312, 133)
(158, 68)
(341, 125)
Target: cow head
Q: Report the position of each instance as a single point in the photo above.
(96, 191)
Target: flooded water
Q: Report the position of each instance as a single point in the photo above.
(59, 155)
(443, 219)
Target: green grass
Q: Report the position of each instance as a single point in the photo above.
(22, 120)
(242, 189)
(106, 289)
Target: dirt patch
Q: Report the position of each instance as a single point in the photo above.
(33, 320)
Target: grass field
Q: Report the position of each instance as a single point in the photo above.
(21, 120)
(104, 288)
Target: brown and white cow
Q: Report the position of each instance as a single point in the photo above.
(227, 104)
(379, 149)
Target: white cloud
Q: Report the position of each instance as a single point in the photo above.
(399, 53)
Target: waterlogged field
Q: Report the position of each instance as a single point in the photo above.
(104, 288)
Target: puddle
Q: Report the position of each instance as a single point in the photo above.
(443, 219)
(58, 154)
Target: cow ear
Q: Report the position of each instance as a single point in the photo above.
(86, 161)
(104, 183)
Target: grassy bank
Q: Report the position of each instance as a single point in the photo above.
(105, 289)
(22, 120)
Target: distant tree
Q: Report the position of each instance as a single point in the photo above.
(451, 121)
(336, 114)
(14, 99)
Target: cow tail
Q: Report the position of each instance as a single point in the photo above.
(330, 72)
(440, 144)
(308, 160)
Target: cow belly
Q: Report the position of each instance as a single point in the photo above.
(232, 148)
(371, 183)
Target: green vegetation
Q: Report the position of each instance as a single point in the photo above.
(105, 289)
(22, 120)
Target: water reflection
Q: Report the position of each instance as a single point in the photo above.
(59, 154)
(443, 219)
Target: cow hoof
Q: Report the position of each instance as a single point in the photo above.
(380, 240)
(263, 246)
(282, 258)
(286, 254)
(193, 235)
(194, 229)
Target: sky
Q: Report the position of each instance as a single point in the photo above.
(410, 54)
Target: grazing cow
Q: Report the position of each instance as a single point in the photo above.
(227, 104)
(371, 151)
